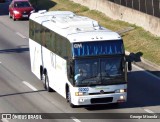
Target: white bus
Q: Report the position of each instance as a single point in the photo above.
(76, 57)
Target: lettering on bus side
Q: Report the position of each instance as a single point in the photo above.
(78, 45)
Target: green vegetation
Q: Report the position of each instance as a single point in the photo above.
(137, 40)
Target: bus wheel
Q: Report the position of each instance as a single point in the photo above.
(47, 84)
(69, 99)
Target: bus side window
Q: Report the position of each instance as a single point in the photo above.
(31, 27)
(47, 39)
(43, 37)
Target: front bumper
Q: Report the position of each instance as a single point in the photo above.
(99, 99)
(21, 16)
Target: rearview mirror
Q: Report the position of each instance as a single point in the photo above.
(129, 66)
(71, 71)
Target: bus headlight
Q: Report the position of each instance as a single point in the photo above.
(122, 97)
(120, 90)
(80, 93)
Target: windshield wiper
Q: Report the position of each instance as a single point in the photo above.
(87, 78)
(116, 75)
(93, 82)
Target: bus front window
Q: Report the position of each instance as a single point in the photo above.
(84, 69)
(99, 71)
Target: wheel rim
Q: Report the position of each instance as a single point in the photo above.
(69, 97)
(43, 80)
(47, 84)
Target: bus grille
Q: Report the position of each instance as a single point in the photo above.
(102, 100)
(97, 93)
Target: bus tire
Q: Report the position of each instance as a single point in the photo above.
(69, 99)
(47, 84)
(41, 73)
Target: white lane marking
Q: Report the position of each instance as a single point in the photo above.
(149, 111)
(21, 35)
(147, 72)
(4, 120)
(30, 86)
(75, 119)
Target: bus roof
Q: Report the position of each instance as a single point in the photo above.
(74, 27)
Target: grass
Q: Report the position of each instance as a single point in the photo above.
(137, 40)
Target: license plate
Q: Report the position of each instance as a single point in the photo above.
(25, 15)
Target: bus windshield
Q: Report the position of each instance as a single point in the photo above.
(99, 71)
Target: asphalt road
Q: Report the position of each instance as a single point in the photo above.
(22, 92)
